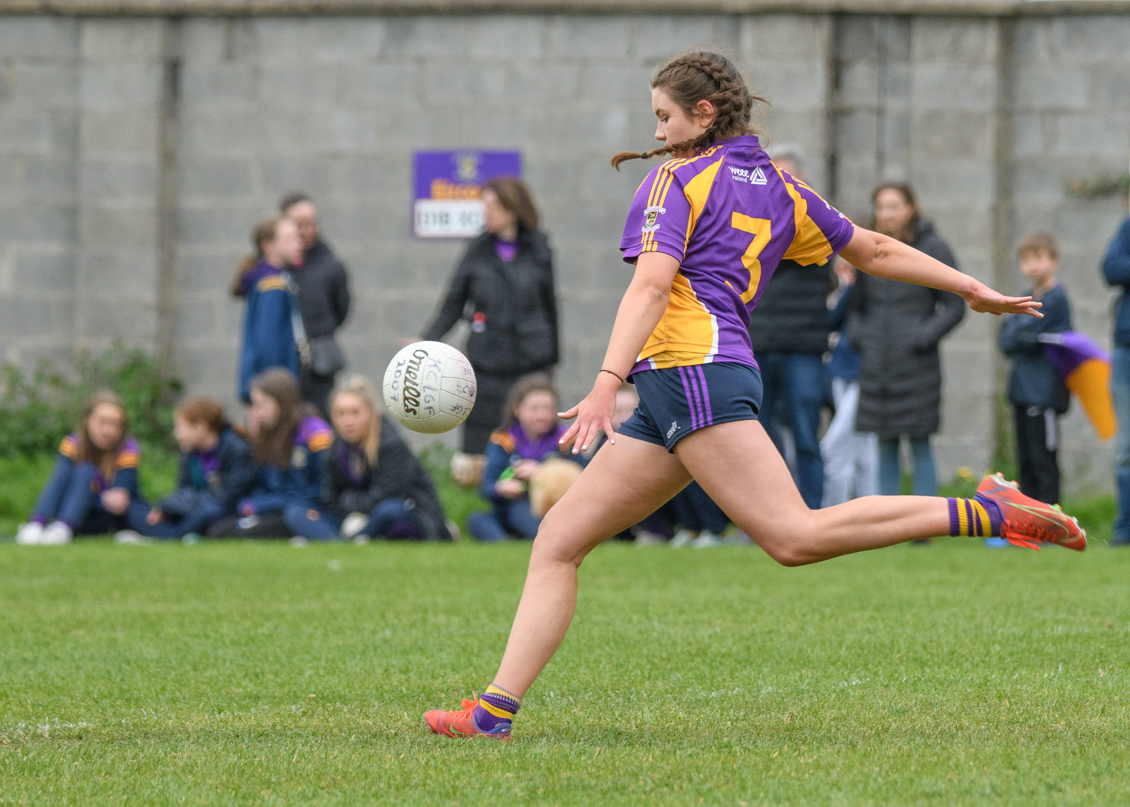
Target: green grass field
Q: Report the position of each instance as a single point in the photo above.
(236, 673)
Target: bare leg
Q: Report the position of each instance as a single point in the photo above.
(737, 464)
(624, 483)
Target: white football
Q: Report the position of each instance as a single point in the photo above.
(429, 387)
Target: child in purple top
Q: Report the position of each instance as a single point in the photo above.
(93, 481)
(529, 435)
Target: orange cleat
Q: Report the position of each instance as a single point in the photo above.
(1028, 522)
(461, 724)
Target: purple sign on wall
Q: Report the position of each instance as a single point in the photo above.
(447, 189)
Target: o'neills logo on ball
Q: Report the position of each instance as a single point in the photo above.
(412, 381)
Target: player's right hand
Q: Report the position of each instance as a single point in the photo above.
(592, 415)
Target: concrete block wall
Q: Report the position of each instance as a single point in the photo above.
(1071, 120)
(39, 73)
(336, 106)
(917, 101)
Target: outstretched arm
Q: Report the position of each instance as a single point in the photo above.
(887, 257)
(640, 310)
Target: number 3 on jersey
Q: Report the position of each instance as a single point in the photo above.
(760, 230)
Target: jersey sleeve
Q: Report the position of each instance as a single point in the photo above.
(821, 230)
(659, 216)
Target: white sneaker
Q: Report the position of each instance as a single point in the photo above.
(29, 534)
(130, 537)
(353, 524)
(645, 538)
(298, 541)
(706, 539)
(56, 534)
(683, 538)
(739, 538)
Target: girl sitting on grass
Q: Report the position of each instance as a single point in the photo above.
(372, 485)
(216, 471)
(290, 449)
(93, 481)
(530, 434)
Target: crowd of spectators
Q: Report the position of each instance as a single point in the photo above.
(315, 460)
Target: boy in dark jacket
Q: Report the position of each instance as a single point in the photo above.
(1036, 391)
(216, 471)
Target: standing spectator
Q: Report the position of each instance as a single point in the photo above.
(1035, 389)
(504, 285)
(322, 286)
(851, 458)
(896, 327)
(373, 485)
(93, 481)
(268, 329)
(789, 337)
(1116, 270)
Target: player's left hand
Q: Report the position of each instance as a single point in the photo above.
(593, 415)
(986, 301)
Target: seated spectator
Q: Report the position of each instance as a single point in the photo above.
(529, 435)
(216, 471)
(290, 448)
(372, 474)
(93, 481)
(701, 521)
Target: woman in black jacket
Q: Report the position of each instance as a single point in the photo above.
(504, 286)
(371, 472)
(896, 327)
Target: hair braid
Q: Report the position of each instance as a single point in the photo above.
(703, 76)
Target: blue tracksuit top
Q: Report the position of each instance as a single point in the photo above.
(268, 335)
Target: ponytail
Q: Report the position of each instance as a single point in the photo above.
(264, 232)
(703, 76)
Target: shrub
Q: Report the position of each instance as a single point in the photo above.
(37, 409)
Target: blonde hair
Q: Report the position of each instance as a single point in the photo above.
(363, 388)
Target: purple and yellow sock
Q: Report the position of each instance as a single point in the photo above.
(496, 709)
(978, 517)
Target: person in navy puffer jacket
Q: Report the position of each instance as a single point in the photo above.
(1116, 271)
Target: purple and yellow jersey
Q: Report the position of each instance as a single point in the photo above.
(128, 456)
(729, 216)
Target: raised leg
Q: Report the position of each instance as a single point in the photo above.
(736, 464)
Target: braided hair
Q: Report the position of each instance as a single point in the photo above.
(703, 76)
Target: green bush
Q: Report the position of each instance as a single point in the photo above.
(36, 410)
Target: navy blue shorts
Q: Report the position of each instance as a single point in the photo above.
(679, 400)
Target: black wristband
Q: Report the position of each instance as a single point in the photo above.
(602, 370)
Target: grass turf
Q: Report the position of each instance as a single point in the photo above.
(242, 673)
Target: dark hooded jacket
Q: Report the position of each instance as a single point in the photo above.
(358, 487)
(323, 291)
(512, 306)
(896, 327)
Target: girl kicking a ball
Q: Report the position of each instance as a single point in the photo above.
(705, 231)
